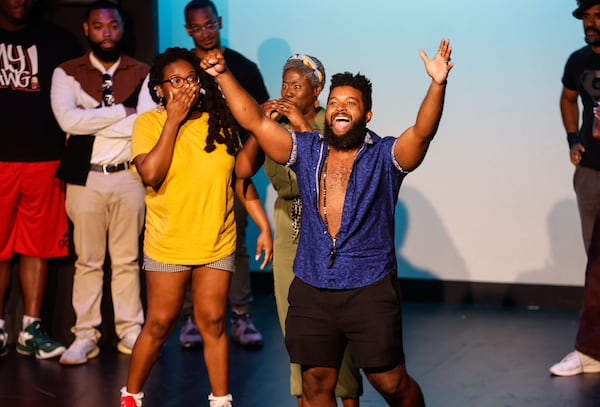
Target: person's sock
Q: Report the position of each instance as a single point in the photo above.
(28, 320)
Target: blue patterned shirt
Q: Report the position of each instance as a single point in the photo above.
(365, 251)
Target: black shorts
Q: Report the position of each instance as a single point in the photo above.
(320, 323)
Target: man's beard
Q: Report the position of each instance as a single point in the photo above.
(106, 55)
(351, 139)
(593, 42)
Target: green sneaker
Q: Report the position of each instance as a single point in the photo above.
(34, 341)
(3, 342)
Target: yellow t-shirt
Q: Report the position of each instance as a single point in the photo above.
(190, 219)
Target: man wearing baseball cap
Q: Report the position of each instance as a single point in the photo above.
(581, 79)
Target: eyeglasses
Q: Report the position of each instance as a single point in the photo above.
(178, 81)
(197, 29)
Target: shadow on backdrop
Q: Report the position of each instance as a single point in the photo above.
(421, 234)
(272, 54)
(565, 244)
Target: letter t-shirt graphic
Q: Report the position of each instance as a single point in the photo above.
(33, 58)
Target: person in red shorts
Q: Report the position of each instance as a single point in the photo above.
(33, 223)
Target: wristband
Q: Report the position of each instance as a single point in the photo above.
(573, 138)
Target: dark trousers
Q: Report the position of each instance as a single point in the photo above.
(588, 333)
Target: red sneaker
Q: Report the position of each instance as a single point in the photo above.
(131, 400)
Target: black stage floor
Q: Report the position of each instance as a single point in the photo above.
(461, 355)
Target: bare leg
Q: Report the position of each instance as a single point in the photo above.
(348, 402)
(165, 292)
(396, 386)
(210, 288)
(318, 384)
(4, 283)
(349, 383)
(33, 272)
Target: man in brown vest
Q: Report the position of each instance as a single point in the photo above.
(95, 101)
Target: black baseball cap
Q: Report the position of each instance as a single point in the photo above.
(582, 6)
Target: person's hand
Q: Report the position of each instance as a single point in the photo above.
(281, 107)
(276, 108)
(273, 109)
(439, 66)
(576, 153)
(269, 109)
(264, 243)
(213, 63)
(180, 102)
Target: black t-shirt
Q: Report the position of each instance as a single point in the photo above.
(28, 57)
(582, 73)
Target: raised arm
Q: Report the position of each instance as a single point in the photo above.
(275, 141)
(412, 145)
(251, 157)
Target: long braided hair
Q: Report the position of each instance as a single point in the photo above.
(222, 128)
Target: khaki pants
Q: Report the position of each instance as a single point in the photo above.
(107, 212)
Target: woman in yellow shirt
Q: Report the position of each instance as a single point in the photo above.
(185, 153)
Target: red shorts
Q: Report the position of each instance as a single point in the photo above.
(33, 221)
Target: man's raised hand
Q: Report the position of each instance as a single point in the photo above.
(213, 63)
(439, 66)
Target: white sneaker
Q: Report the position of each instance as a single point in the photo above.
(3, 342)
(575, 363)
(125, 345)
(221, 401)
(79, 352)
